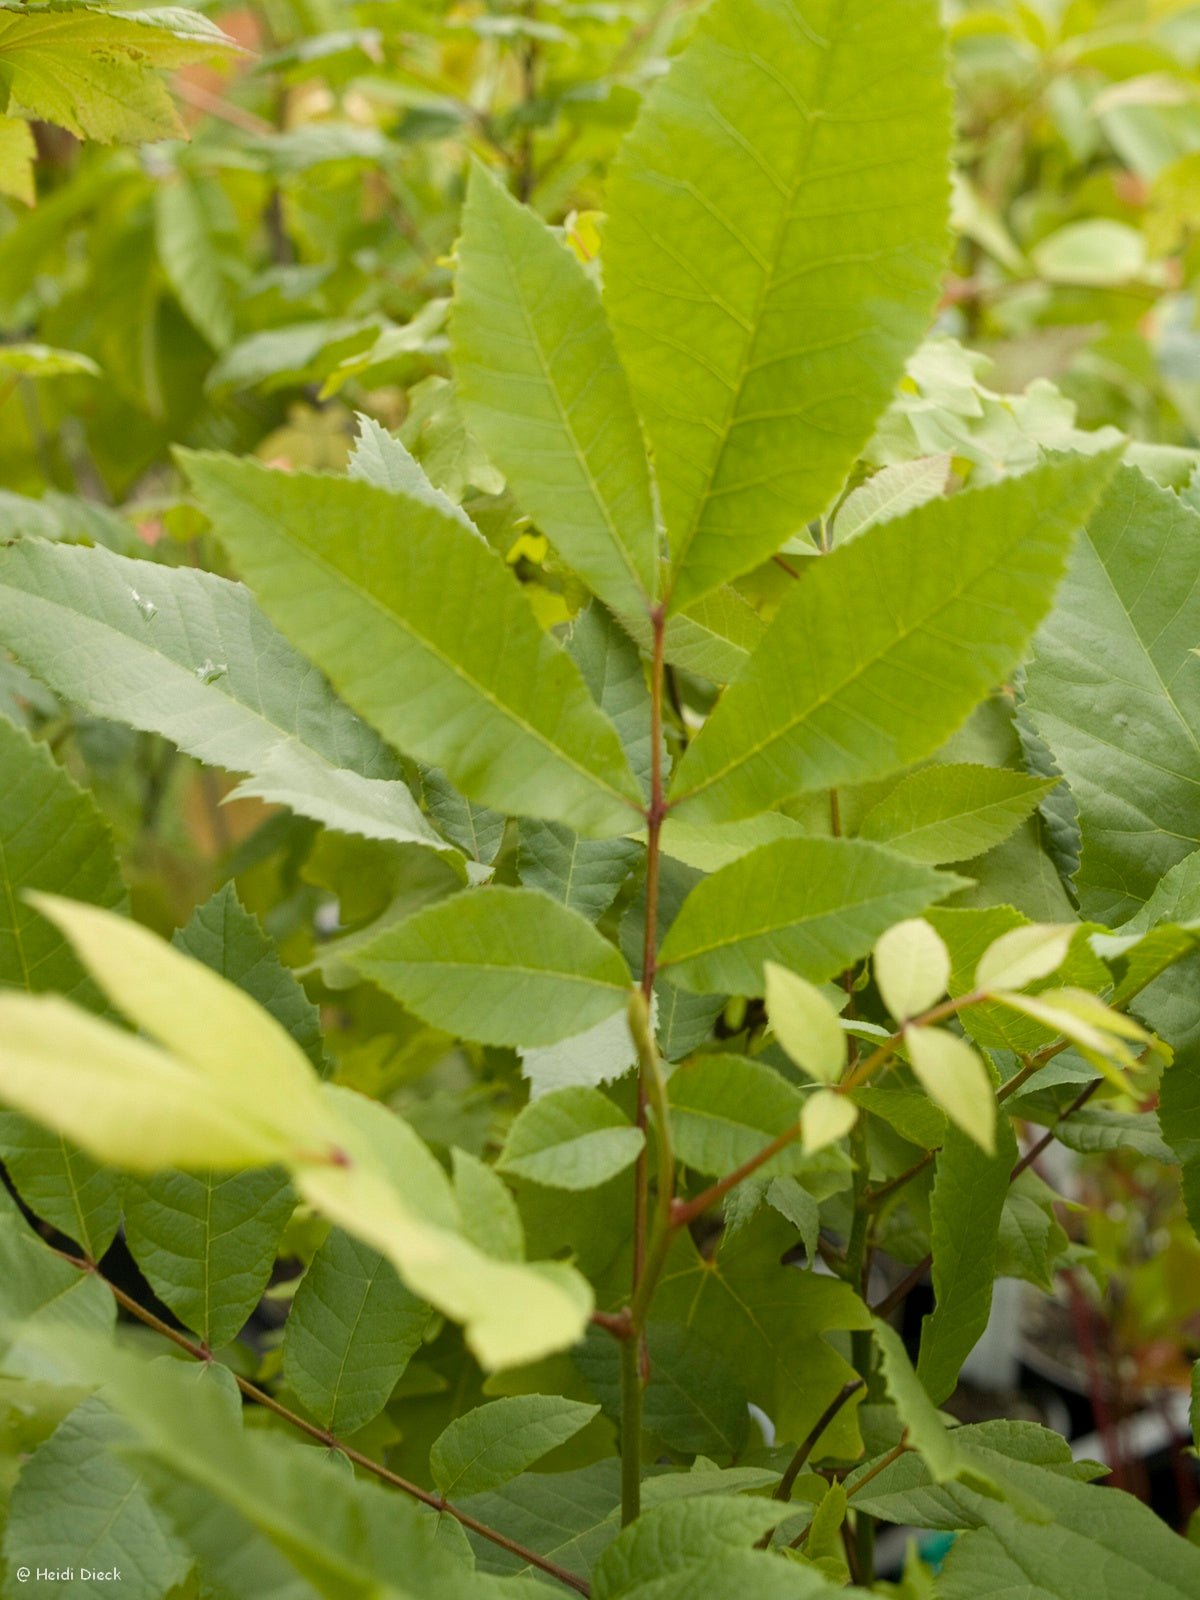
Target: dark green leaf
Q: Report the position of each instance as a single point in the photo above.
(351, 1331)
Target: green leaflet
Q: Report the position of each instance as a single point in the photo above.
(352, 1329)
(1088, 1543)
(542, 388)
(946, 814)
(93, 73)
(232, 1558)
(612, 669)
(724, 1109)
(732, 1574)
(927, 1433)
(207, 1242)
(1094, 1128)
(570, 1139)
(587, 874)
(812, 905)
(350, 1538)
(477, 830)
(713, 638)
(427, 636)
(490, 1217)
(891, 493)
(224, 1085)
(800, 1208)
(184, 207)
(1030, 1465)
(1114, 690)
(684, 1537)
(821, 704)
(567, 1517)
(969, 1192)
(707, 847)
(504, 966)
(17, 155)
(230, 940)
(496, 1442)
(77, 1503)
(772, 255)
(60, 1184)
(703, 1478)
(190, 656)
(584, 874)
(38, 1291)
(52, 836)
(911, 1113)
(382, 459)
(599, 1055)
(1031, 1243)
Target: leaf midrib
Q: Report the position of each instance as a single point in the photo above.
(479, 969)
(834, 911)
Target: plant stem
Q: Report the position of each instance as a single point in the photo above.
(650, 1068)
(1048, 1138)
(880, 1466)
(259, 1397)
(798, 1462)
(684, 1213)
(635, 1362)
(881, 1056)
(656, 811)
(632, 1394)
(876, 1197)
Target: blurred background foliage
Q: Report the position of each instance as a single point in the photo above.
(289, 265)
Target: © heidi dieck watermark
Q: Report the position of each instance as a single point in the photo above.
(69, 1574)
